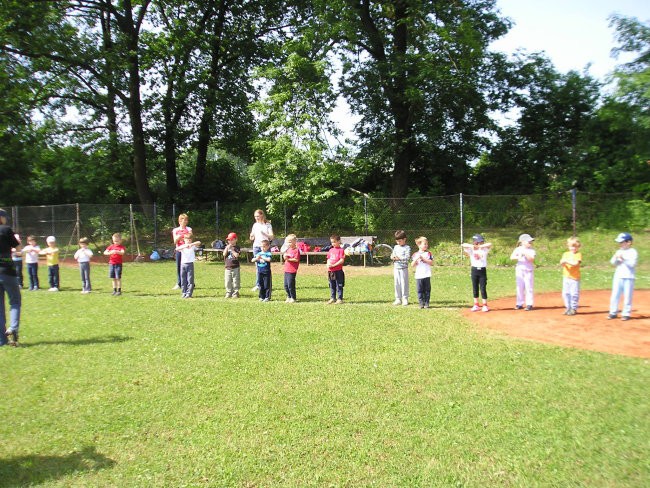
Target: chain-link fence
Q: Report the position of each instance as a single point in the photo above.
(443, 219)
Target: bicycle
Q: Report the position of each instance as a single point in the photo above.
(381, 254)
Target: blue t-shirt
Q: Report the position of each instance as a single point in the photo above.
(263, 265)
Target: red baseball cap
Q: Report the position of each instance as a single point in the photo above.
(231, 236)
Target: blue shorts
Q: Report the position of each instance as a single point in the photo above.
(115, 271)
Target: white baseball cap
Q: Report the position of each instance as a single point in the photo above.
(525, 238)
(50, 239)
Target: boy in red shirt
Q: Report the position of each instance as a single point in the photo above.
(115, 251)
(335, 274)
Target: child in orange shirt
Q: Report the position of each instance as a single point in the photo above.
(571, 275)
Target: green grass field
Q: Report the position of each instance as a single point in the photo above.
(148, 389)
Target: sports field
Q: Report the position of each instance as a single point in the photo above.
(148, 389)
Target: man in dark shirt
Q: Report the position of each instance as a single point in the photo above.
(8, 284)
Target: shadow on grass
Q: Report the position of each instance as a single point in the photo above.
(34, 470)
(78, 342)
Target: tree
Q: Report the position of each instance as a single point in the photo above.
(420, 75)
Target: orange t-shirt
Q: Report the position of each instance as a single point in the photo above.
(571, 268)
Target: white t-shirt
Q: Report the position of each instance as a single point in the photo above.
(261, 231)
(477, 257)
(520, 253)
(188, 255)
(83, 255)
(625, 269)
(422, 269)
(402, 253)
(31, 254)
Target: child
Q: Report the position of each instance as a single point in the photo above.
(571, 275)
(83, 256)
(31, 252)
(335, 274)
(625, 261)
(525, 256)
(17, 258)
(477, 253)
(422, 261)
(52, 253)
(400, 257)
(116, 252)
(263, 260)
(231, 259)
(291, 263)
(187, 251)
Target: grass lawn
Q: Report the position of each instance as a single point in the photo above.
(148, 389)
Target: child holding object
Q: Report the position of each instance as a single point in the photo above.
(400, 257)
(231, 264)
(262, 260)
(335, 273)
(623, 283)
(82, 256)
(570, 263)
(52, 254)
(291, 263)
(477, 252)
(116, 253)
(422, 260)
(187, 251)
(524, 254)
(31, 252)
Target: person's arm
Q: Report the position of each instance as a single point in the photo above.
(486, 245)
(269, 231)
(516, 254)
(108, 252)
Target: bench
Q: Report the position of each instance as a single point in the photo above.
(316, 241)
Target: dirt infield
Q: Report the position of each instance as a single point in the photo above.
(589, 329)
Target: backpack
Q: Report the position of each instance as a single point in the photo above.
(154, 256)
(218, 244)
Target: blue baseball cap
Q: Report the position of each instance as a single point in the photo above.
(3, 213)
(623, 236)
(478, 238)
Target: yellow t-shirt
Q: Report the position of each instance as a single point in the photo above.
(571, 268)
(53, 256)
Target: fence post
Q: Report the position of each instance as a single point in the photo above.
(365, 213)
(462, 238)
(173, 215)
(77, 223)
(216, 221)
(155, 225)
(14, 219)
(53, 228)
(574, 194)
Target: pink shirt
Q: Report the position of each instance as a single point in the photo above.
(290, 266)
(335, 254)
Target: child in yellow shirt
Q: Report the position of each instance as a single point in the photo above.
(571, 275)
(52, 253)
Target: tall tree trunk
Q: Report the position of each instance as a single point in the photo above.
(210, 98)
(170, 142)
(111, 92)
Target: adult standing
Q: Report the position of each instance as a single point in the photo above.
(178, 237)
(8, 283)
(261, 230)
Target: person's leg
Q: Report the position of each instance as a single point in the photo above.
(566, 293)
(332, 282)
(235, 282)
(184, 280)
(31, 272)
(82, 274)
(529, 282)
(427, 291)
(292, 285)
(404, 281)
(3, 330)
(178, 268)
(617, 287)
(482, 282)
(519, 277)
(19, 272)
(287, 289)
(9, 284)
(575, 294)
(419, 290)
(57, 280)
(228, 280)
(50, 276)
(190, 279)
(628, 291)
(340, 283)
(257, 270)
(475, 282)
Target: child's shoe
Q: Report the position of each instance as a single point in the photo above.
(571, 312)
(330, 301)
(228, 295)
(54, 288)
(529, 308)
(339, 301)
(397, 302)
(476, 308)
(625, 317)
(176, 287)
(405, 302)
(118, 293)
(519, 307)
(485, 308)
(235, 295)
(426, 305)
(611, 316)
(255, 288)
(266, 300)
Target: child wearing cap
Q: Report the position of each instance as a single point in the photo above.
(570, 263)
(52, 253)
(116, 253)
(231, 259)
(400, 257)
(31, 252)
(477, 253)
(82, 256)
(625, 261)
(524, 254)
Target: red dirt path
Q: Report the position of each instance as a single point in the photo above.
(589, 329)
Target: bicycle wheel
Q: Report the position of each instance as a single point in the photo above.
(381, 254)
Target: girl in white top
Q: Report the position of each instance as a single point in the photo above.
(477, 253)
(262, 230)
(422, 260)
(524, 254)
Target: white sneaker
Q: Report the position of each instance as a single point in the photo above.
(405, 302)
(176, 287)
(397, 302)
(255, 288)
(485, 308)
(54, 288)
(476, 308)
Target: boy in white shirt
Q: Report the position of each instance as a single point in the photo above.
(187, 250)
(400, 256)
(625, 261)
(82, 256)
